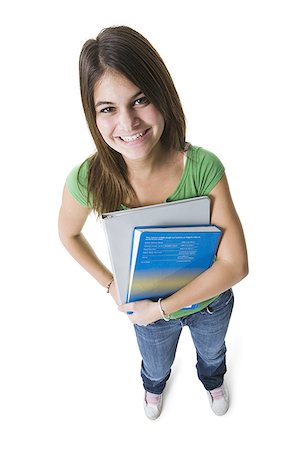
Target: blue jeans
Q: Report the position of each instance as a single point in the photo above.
(158, 343)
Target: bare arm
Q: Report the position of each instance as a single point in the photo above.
(231, 265)
(72, 217)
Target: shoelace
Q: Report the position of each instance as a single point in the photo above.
(217, 393)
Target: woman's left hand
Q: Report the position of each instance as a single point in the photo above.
(143, 312)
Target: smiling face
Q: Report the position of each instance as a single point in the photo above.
(126, 119)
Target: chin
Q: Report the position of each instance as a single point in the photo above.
(134, 153)
(134, 156)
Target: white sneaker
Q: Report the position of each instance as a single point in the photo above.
(219, 400)
(152, 405)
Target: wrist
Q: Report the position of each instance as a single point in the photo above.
(165, 317)
(108, 286)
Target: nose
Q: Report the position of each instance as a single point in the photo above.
(128, 120)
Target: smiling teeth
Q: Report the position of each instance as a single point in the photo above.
(132, 138)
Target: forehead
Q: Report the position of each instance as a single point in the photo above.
(113, 85)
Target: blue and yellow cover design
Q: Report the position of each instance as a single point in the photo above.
(165, 259)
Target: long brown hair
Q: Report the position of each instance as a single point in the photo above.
(126, 51)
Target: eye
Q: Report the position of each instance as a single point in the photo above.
(106, 110)
(141, 101)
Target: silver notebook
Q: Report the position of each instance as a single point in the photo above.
(119, 226)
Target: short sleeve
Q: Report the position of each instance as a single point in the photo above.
(209, 171)
(77, 183)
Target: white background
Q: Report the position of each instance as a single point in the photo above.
(69, 375)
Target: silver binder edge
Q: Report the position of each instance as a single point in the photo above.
(112, 214)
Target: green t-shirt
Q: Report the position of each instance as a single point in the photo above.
(201, 173)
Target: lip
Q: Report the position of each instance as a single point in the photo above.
(137, 141)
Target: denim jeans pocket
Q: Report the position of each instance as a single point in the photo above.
(220, 302)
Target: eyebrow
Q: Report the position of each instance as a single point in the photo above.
(111, 103)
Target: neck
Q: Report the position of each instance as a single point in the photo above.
(144, 167)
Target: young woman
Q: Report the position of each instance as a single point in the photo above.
(136, 120)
